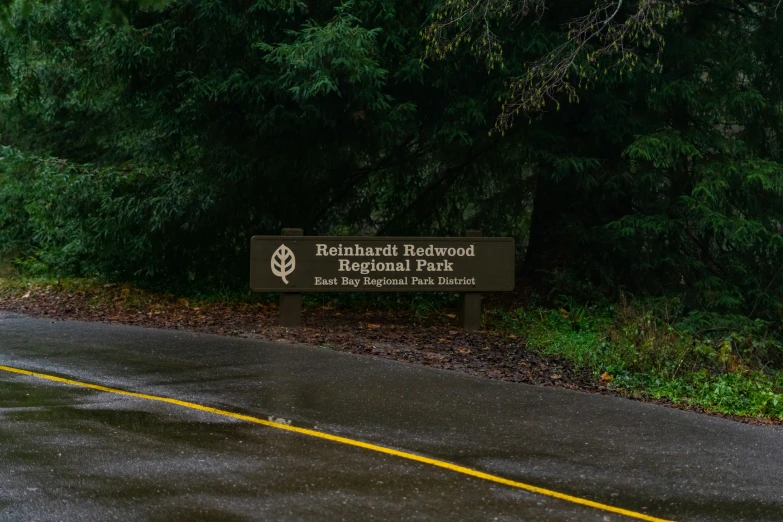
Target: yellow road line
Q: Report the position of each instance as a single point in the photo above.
(350, 442)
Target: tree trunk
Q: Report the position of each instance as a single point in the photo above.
(547, 210)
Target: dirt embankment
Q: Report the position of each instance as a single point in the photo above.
(432, 341)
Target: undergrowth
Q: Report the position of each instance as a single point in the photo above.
(650, 348)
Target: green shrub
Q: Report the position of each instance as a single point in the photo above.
(119, 222)
(649, 347)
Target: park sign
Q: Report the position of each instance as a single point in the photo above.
(293, 263)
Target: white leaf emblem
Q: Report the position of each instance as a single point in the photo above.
(283, 262)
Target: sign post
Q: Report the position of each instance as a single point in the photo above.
(292, 263)
(470, 302)
(290, 307)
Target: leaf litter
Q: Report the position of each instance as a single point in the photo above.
(435, 341)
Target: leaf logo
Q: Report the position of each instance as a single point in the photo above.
(283, 262)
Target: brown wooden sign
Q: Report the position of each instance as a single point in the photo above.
(381, 264)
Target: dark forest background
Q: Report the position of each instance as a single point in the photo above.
(148, 142)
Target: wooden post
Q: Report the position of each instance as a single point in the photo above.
(470, 302)
(290, 302)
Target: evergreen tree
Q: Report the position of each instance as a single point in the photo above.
(665, 177)
(214, 120)
(643, 138)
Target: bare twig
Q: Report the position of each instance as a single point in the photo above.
(580, 58)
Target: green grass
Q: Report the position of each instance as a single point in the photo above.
(755, 394)
(646, 352)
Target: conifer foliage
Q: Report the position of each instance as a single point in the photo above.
(631, 145)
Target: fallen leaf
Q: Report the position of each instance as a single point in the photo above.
(605, 377)
(512, 336)
(25, 296)
(372, 326)
(463, 351)
(451, 316)
(444, 340)
(555, 377)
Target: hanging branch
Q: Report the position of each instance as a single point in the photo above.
(611, 29)
(458, 22)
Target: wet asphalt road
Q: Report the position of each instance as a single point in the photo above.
(73, 454)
